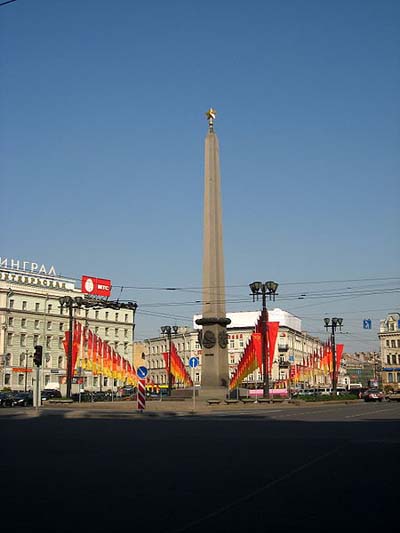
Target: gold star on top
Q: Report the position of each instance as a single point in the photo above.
(211, 114)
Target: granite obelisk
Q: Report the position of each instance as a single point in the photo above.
(213, 337)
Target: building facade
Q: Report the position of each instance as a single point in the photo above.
(31, 315)
(361, 369)
(292, 346)
(389, 336)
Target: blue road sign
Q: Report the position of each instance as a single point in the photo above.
(193, 362)
(367, 324)
(142, 372)
(398, 324)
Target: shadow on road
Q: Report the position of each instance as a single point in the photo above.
(190, 475)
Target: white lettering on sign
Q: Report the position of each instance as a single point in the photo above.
(27, 266)
(39, 282)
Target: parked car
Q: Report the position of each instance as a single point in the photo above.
(373, 395)
(21, 399)
(5, 399)
(47, 394)
(394, 396)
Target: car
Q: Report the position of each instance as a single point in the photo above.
(48, 394)
(21, 399)
(373, 395)
(5, 399)
(394, 396)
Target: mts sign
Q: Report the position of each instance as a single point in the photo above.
(96, 286)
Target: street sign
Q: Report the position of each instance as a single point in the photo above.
(193, 362)
(367, 323)
(398, 324)
(142, 372)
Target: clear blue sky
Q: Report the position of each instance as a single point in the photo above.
(102, 137)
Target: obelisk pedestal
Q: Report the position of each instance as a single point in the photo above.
(213, 336)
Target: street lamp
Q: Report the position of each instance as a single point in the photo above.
(333, 324)
(269, 289)
(168, 330)
(76, 303)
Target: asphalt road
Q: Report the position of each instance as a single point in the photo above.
(316, 468)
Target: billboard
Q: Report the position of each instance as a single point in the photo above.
(96, 286)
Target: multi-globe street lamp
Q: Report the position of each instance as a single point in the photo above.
(333, 324)
(168, 330)
(77, 303)
(269, 289)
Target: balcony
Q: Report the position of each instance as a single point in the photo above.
(283, 347)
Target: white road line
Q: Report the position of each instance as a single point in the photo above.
(371, 412)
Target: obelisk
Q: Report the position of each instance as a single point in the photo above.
(213, 337)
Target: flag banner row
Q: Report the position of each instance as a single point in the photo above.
(252, 354)
(178, 369)
(319, 363)
(90, 352)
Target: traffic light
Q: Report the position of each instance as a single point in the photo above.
(38, 355)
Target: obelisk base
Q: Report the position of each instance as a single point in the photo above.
(213, 393)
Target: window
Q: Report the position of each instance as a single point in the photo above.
(231, 343)
(241, 343)
(24, 306)
(232, 359)
(96, 330)
(125, 333)
(35, 340)
(96, 315)
(60, 342)
(61, 326)
(60, 361)
(116, 332)
(20, 379)
(46, 379)
(116, 317)
(23, 323)
(22, 341)
(126, 317)
(11, 303)
(394, 359)
(390, 377)
(11, 321)
(37, 307)
(393, 343)
(398, 343)
(105, 382)
(125, 347)
(36, 325)
(22, 359)
(86, 313)
(48, 341)
(7, 379)
(388, 359)
(49, 325)
(107, 315)
(387, 343)
(398, 377)
(106, 332)
(49, 308)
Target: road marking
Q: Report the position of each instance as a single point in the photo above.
(371, 412)
(258, 491)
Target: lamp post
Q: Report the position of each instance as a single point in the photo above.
(333, 324)
(269, 289)
(167, 330)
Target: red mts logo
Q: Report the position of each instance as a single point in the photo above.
(96, 286)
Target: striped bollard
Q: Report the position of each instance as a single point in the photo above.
(141, 395)
(141, 388)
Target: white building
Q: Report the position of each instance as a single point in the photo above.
(389, 336)
(30, 315)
